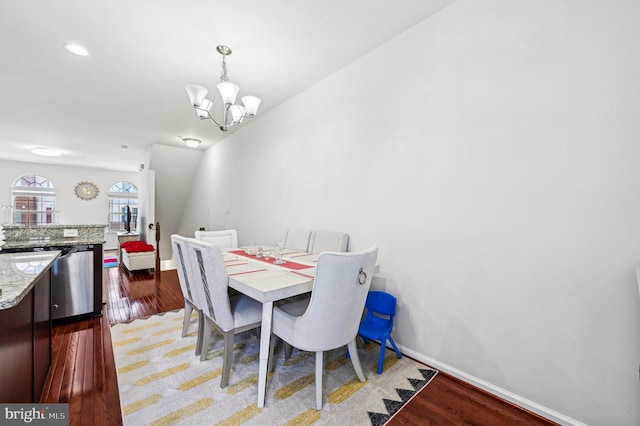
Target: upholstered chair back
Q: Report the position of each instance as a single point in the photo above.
(226, 239)
(180, 246)
(208, 266)
(337, 300)
(328, 241)
(297, 239)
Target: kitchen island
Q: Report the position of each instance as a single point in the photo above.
(25, 324)
(77, 279)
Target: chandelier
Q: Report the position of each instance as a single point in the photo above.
(232, 113)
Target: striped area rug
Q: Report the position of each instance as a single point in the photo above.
(110, 262)
(162, 382)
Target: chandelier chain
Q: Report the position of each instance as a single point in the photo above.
(223, 74)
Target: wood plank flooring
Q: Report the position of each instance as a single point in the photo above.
(83, 370)
(449, 401)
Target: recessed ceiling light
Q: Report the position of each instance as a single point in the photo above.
(192, 142)
(77, 49)
(46, 152)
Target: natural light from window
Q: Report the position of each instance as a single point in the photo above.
(34, 201)
(122, 194)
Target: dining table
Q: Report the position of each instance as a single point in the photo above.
(268, 281)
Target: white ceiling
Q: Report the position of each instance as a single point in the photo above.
(131, 90)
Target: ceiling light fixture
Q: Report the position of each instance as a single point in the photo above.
(77, 49)
(191, 142)
(46, 152)
(232, 113)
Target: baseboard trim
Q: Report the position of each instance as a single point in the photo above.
(509, 396)
(167, 265)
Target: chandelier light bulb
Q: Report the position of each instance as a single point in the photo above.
(251, 104)
(228, 91)
(237, 113)
(197, 94)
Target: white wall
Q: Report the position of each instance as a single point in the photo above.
(492, 154)
(72, 209)
(174, 170)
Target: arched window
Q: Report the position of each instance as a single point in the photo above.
(122, 195)
(34, 200)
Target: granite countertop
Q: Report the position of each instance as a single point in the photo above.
(50, 243)
(19, 272)
(25, 237)
(54, 226)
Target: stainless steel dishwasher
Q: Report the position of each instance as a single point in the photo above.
(72, 282)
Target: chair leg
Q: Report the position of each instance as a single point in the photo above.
(355, 360)
(319, 380)
(201, 322)
(383, 346)
(287, 350)
(187, 319)
(227, 357)
(395, 348)
(206, 336)
(272, 346)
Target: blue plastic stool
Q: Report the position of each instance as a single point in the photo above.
(378, 323)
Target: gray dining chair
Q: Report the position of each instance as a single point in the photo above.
(320, 241)
(328, 241)
(297, 239)
(331, 317)
(180, 246)
(228, 315)
(225, 239)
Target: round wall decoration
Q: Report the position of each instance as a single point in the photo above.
(86, 190)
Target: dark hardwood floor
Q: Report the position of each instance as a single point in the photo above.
(83, 371)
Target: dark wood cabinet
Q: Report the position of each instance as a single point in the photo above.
(16, 352)
(41, 334)
(25, 345)
(98, 267)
